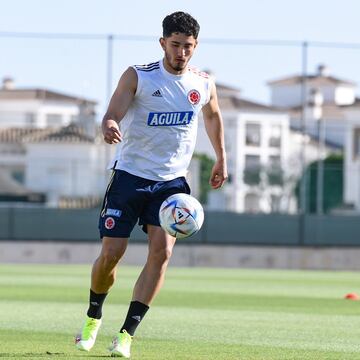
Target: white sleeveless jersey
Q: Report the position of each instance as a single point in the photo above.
(159, 130)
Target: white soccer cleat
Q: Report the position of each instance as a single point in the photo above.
(120, 346)
(86, 339)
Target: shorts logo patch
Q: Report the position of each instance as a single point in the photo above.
(109, 223)
(194, 97)
(113, 212)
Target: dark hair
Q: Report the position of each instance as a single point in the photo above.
(180, 22)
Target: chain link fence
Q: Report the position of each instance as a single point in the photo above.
(291, 115)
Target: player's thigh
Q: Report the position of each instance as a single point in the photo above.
(160, 242)
(160, 192)
(113, 247)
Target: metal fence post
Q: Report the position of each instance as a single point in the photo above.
(304, 60)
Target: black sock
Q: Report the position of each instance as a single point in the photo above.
(137, 311)
(95, 305)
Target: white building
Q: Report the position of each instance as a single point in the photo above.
(256, 138)
(352, 158)
(332, 112)
(50, 144)
(266, 157)
(287, 92)
(42, 108)
(328, 99)
(66, 165)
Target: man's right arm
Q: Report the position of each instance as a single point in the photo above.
(118, 106)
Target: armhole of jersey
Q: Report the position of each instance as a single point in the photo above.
(139, 82)
(210, 84)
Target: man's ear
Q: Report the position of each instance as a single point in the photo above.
(162, 43)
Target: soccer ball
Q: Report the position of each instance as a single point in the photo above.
(181, 215)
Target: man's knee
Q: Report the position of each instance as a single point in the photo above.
(161, 255)
(109, 258)
(160, 245)
(112, 253)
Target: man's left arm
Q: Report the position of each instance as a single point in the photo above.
(215, 130)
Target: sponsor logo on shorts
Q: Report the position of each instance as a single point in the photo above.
(180, 118)
(113, 212)
(109, 223)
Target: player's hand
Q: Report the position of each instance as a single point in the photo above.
(111, 132)
(218, 174)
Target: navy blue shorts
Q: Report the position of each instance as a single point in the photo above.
(131, 198)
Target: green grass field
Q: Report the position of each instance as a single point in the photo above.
(200, 314)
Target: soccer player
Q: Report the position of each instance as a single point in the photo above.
(158, 106)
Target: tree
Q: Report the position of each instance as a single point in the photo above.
(333, 184)
(206, 164)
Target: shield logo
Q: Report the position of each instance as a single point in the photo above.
(193, 97)
(109, 223)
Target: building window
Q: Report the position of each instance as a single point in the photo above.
(275, 203)
(30, 119)
(275, 136)
(252, 170)
(19, 176)
(253, 137)
(54, 119)
(356, 145)
(275, 172)
(274, 162)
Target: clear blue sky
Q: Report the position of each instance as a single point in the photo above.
(79, 66)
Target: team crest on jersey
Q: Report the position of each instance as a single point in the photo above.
(180, 118)
(109, 223)
(193, 97)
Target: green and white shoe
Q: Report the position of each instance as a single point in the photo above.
(86, 339)
(120, 346)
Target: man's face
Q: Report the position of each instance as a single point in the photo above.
(178, 49)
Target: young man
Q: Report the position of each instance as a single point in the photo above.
(158, 106)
